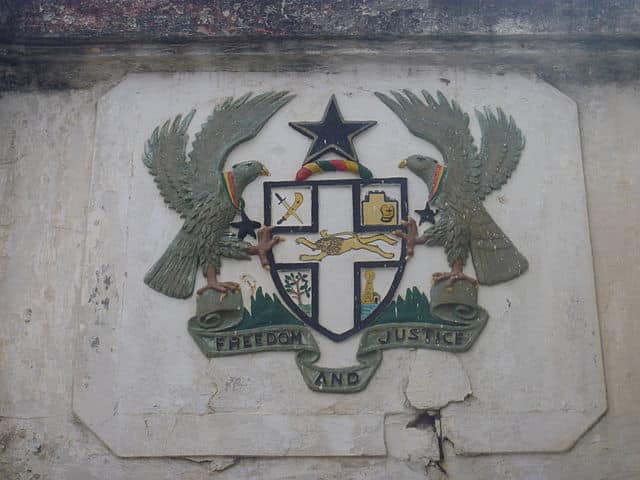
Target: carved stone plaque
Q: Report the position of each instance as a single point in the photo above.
(281, 264)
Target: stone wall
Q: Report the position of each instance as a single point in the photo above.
(60, 58)
(91, 20)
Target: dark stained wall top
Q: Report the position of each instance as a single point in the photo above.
(81, 21)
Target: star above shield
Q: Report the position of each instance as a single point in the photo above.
(332, 133)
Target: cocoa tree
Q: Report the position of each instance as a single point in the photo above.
(297, 285)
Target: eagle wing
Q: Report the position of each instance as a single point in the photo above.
(502, 145)
(439, 122)
(164, 156)
(232, 122)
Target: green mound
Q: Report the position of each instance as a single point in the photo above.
(266, 311)
(413, 308)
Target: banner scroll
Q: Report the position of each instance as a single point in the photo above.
(222, 327)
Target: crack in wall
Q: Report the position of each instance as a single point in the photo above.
(431, 420)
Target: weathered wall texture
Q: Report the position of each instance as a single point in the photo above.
(38, 20)
(46, 143)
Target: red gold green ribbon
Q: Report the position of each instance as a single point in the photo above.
(231, 189)
(436, 181)
(332, 166)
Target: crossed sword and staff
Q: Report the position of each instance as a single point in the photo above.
(291, 208)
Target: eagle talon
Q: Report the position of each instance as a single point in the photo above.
(410, 236)
(222, 287)
(265, 244)
(214, 284)
(452, 277)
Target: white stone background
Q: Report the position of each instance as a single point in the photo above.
(44, 178)
(145, 390)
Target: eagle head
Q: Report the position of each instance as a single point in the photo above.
(246, 172)
(423, 167)
(428, 169)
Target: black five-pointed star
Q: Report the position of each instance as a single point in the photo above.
(427, 215)
(332, 134)
(245, 226)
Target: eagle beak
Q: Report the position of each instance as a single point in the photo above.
(264, 172)
(402, 164)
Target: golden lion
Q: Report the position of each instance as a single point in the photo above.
(335, 244)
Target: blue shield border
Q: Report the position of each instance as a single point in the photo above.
(356, 190)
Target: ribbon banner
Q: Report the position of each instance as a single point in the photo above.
(222, 327)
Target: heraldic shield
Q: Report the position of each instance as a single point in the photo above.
(339, 251)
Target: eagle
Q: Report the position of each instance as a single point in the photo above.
(207, 198)
(459, 187)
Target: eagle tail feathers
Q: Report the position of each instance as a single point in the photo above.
(174, 274)
(495, 258)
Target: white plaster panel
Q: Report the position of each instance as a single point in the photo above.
(146, 389)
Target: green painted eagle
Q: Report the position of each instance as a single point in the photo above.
(206, 197)
(458, 187)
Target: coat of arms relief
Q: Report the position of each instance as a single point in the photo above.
(334, 236)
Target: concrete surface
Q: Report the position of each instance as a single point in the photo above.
(45, 156)
(43, 229)
(535, 372)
